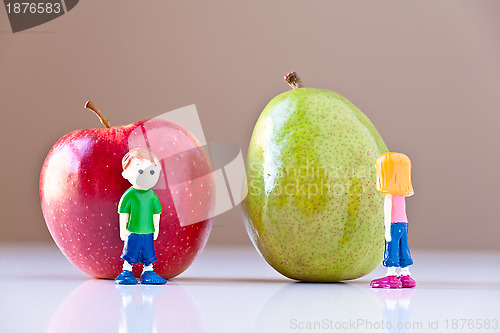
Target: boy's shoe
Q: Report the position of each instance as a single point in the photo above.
(126, 277)
(407, 281)
(150, 277)
(390, 281)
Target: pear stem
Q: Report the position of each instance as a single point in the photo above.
(91, 106)
(293, 80)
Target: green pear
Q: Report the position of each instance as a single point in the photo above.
(312, 209)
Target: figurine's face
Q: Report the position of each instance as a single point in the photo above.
(142, 174)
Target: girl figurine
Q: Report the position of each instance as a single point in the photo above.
(394, 179)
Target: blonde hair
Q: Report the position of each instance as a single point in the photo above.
(394, 174)
(140, 153)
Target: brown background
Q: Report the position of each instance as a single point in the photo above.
(427, 73)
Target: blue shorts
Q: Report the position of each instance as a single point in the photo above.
(397, 251)
(139, 248)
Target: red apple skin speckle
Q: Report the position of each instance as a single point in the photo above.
(81, 185)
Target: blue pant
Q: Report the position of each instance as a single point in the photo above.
(397, 251)
(139, 248)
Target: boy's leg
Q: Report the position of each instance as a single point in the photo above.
(132, 249)
(129, 256)
(127, 266)
(148, 256)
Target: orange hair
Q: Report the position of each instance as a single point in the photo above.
(394, 174)
(140, 153)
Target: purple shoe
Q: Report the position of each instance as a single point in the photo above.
(390, 281)
(407, 281)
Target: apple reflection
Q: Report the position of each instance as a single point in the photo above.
(102, 306)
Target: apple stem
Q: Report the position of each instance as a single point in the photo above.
(89, 105)
(293, 80)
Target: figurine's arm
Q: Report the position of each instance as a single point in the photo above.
(156, 221)
(124, 233)
(387, 217)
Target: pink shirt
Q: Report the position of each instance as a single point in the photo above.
(398, 213)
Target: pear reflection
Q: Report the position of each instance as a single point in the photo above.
(396, 310)
(319, 307)
(102, 306)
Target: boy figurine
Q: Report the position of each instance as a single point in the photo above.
(139, 210)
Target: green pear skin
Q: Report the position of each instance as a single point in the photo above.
(312, 209)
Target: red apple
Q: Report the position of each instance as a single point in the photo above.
(81, 185)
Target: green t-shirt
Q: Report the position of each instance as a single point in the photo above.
(140, 205)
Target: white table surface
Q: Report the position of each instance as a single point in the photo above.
(235, 290)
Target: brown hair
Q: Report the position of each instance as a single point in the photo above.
(140, 153)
